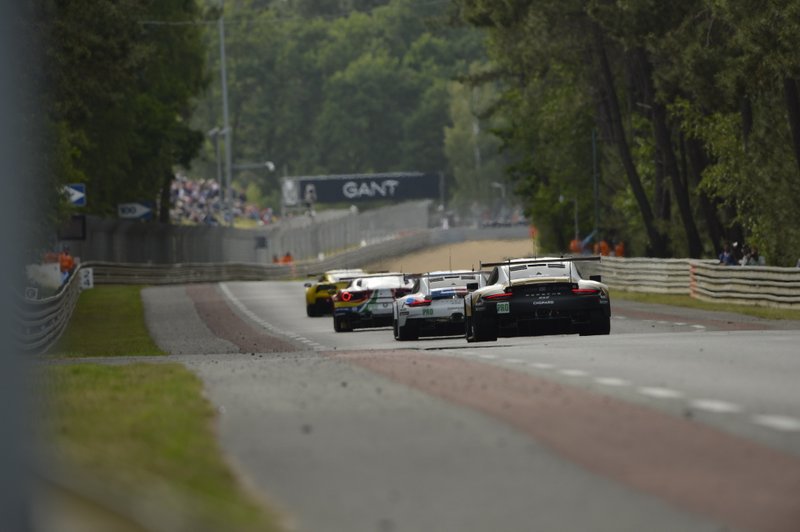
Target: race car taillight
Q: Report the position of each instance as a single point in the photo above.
(585, 291)
(501, 296)
(348, 297)
(419, 303)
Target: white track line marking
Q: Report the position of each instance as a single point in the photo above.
(541, 365)
(612, 381)
(573, 372)
(782, 423)
(699, 326)
(660, 393)
(679, 323)
(619, 317)
(265, 324)
(514, 361)
(488, 357)
(716, 406)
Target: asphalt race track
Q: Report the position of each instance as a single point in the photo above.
(679, 420)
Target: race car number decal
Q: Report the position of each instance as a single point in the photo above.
(503, 307)
(427, 312)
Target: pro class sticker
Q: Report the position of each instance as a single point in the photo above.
(503, 307)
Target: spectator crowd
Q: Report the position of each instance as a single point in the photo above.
(741, 256)
(200, 203)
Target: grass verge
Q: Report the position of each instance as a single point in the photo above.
(768, 313)
(146, 428)
(108, 321)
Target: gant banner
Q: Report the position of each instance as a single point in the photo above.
(354, 188)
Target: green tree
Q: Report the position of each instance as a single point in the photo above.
(322, 88)
(118, 93)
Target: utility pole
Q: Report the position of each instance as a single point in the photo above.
(226, 128)
(596, 185)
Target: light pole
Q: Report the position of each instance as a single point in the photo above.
(214, 134)
(225, 120)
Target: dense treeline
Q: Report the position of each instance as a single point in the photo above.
(130, 88)
(695, 105)
(326, 87)
(116, 90)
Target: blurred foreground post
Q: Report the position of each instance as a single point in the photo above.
(16, 132)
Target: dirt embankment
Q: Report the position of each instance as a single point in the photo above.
(464, 255)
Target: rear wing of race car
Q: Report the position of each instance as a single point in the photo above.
(516, 262)
(525, 262)
(374, 274)
(445, 274)
(482, 275)
(368, 275)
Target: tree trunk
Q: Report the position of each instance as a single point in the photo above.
(164, 202)
(793, 110)
(658, 244)
(668, 163)
(697, 164)
(679, 188)
(747, 120)
(661, 200)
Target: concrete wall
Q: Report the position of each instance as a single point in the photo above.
(126, 241)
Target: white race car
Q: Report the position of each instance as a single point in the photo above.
(530, 297)
(367, 301)
(436, 306)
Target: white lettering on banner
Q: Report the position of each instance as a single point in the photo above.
(352, 190)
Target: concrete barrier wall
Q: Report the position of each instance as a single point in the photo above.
(304, 237)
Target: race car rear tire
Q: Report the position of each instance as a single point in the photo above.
(482, 330)
(341, 324)
(600, 325)
(468, 329)
(410, 331)
(311, 311)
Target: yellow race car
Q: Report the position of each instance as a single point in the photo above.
(319, 293)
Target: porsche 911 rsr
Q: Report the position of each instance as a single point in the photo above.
(435, 307)
(319, 294)
(367, 301)
(528, 297)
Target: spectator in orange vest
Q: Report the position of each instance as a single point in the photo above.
(605, 249)
(66, 264)
(619, 249)
(287, 259)
(575, 245)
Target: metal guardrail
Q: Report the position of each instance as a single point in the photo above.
(660, 276)
(745, 285)
(43, 321)
(705, 280)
